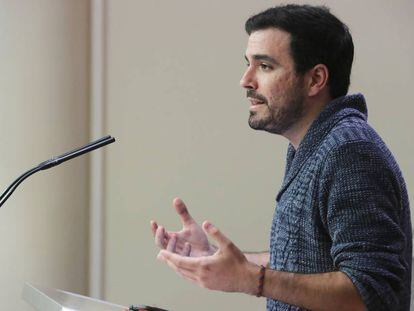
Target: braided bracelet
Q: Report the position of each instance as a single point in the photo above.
(261, 281)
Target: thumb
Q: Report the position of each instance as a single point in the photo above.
(216, 234)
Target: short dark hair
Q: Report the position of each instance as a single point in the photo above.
(317, 37)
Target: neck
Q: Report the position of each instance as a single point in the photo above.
(313, 108)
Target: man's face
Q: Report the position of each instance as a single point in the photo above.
(274, 89)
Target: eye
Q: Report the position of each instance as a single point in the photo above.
(265, 67)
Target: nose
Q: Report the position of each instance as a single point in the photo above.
(248, 80)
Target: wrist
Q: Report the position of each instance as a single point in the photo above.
(251, 280)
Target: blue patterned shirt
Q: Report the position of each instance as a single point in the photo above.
(343, 206)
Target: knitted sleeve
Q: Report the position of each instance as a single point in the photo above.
(360, 208)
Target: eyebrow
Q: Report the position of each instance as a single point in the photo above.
(263, 57)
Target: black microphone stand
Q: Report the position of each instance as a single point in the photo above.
(54, 162)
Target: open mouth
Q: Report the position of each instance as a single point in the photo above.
(255, 102)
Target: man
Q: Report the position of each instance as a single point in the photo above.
(341, 232)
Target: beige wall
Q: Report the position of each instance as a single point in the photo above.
(180, 117)
(43, 112)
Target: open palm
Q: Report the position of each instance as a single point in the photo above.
(191, 240)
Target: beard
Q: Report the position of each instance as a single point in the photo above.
(278, 118)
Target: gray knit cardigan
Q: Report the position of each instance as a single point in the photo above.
(343, 206)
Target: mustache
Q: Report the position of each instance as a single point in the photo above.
(252, 94)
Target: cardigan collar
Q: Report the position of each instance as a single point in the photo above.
(333, 112)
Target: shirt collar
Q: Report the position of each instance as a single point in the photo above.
(333, 112)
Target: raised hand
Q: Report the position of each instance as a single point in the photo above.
(226, 270)
(190, 241)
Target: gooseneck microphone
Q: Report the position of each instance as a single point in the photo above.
(54, 162)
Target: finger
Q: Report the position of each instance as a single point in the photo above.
(182, 211)
(216, 234)
(171, 244)
(187, 275)
(171, 264)
(154, 227)
(186, 249)
(181, 262)
(160, 238)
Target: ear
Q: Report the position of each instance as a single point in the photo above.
(317, 79)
